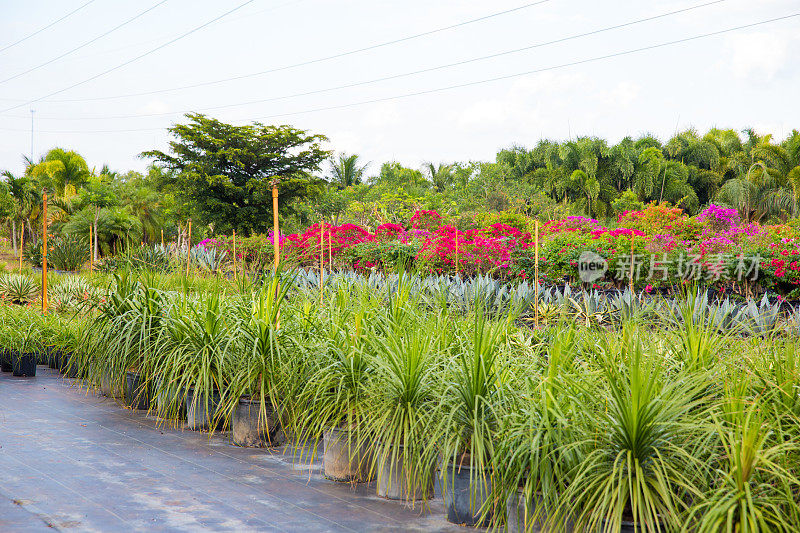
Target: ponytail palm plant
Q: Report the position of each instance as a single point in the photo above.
(335, 394)
(264, 366)
(195, 354)
(643, 445)
(471, 403)
(402, 399)
(753, 490)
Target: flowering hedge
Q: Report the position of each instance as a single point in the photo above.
(662, 245)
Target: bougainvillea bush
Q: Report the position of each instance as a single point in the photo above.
(663, 246)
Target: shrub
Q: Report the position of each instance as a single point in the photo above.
(68, 252)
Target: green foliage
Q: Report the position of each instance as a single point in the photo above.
(68, 252)
(222, 173)
(627, 202)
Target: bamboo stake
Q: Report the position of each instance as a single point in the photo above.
(275, 231)
(536, 274)
(456, 252)
(21, 245)
(91, 250)
(234, 254)
(44, 254)
(162, 237)
(188, 247)
(631, 277)
(330, 248)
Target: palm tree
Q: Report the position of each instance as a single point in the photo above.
(345, 170)
(440, 176)
(61, 169)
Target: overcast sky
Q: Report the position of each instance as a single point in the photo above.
(746, 78)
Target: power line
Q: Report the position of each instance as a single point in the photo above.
(407, 74)
(313, 61)
(128, 62)
(477, 82)
(40, 30)
(87, 43)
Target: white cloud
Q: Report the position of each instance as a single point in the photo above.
(153, 106)
(758, 54)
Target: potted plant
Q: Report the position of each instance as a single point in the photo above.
(401, 406)
(333, 401)
(257, 385)
(470, 407)
(193, 362)
(643, 442)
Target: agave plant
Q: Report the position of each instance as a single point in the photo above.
(18, 288)
(762, 318)
(208, 259)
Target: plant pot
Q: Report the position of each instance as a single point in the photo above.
(393, 480)
(250, 429)
(521, 516)
(5, 361)
(136, 396)
(24, 364)
(201, 411)
(465, 493)
(107, 387)
(51, 353)
(66, 365)
(342, 459)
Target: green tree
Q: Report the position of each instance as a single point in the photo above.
(61, 169)
(440, 176)
(99, 195)
(345, 170)
(223, 174)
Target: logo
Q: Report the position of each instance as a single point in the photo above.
(591, 266)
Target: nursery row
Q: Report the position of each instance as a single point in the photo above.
(677, 424)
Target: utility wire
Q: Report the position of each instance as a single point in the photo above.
(477, 82)
(405, 74)
(313, 61)
(40, 30)
(137, 58)
(87, 43)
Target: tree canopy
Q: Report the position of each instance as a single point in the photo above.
(222, 173)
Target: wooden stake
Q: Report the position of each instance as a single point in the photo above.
(91, 250)
(330, 248)
(536, 273)
(456, 252)
(162, 237)
(21, 245)
(276, 245)
(321, 258)
(631, 277)
(189, 247)
(234, 254)
(44, 254)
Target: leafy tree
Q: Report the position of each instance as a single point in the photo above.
(99, 195)
(223, 174)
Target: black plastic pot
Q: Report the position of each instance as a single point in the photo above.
(24, 364)
(465, 492)
(67, 366)
(201, 410)
(252, 430)
(136, 396)
(5, 360)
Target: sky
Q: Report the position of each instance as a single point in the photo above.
(323, 65)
